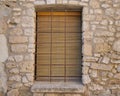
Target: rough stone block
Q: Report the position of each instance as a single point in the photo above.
(102, 47)
(13, 92)
(86, 79)
(28, 21)
(101, 66)
(50, 1)
(38, 94)
(87, 49)
(116, 46)
(26, 66)
(117, 76)
(105, 60)
(19, 48)
(94, 4)
(18, 39)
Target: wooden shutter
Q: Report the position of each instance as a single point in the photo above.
(58, 54)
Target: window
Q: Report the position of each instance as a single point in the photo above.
(58, 46)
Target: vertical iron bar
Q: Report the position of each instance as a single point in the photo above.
(36, 48)
(51, 49)
(65, 47)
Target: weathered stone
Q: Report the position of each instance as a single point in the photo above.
(103, 33)
(96, 87)
(3, 79)
(114, 71)
(28, 21)
(18, 58)
(105, 60)
(10, 65)
(15, 78)
(104, 22)
(10, 58)
(39, 2)
(86, 79)
(117, 76)
(93, 73)
(13, 92)
(18, 39)
(109, 12)
(16, 31)
(38, 94)
(17, 85)
(85, 70)
(117, 23)
(87, 49)
(102, 47)
(3, 48)
(86, 27)
(30, 77)
(105, 93)
(110, 75)
(50, 1)
(26, 66)
(19, 48)
(59, 1)
(73, 94)
(90, 59)
(105, 5)
(24, 79)
(73, 2)
(115, 61)
(14, 71)
(29, 32)
(98, 40)
(89, 17)
(94, 3)
(98, 11)
(116, 46)
(118, 68)
(101, 66)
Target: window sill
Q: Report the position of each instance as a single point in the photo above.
(58, 87)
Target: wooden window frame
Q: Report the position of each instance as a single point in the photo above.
(49, 13)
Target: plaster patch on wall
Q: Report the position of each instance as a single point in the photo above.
(3, 79)
(3, 48)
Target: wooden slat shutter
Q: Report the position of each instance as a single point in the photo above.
(58, 54)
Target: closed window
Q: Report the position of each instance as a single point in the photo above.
(58, 46)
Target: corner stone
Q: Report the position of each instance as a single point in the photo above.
(86, 79)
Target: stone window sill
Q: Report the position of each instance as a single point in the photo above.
(58, 87)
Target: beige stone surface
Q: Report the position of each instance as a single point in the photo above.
(102, 47)
(101, 66)
(3, 79)
(3, 48)
(116, 45)
(19, 48)
(13, 92)
(86, 79)
(18, 39)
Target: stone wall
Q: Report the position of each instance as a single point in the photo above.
(101, 47)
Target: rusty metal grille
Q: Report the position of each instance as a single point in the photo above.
(58, 46)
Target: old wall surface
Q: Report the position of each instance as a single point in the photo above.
(101, 47)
